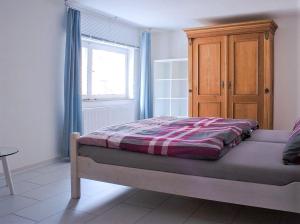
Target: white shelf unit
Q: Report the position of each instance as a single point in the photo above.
(171, 87)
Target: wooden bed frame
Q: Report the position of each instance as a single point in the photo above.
(284, 198)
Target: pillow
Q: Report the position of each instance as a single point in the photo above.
(291, 153)
(297, 124)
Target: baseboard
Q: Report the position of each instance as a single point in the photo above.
(36, 165)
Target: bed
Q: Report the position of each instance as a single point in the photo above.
(251, 173)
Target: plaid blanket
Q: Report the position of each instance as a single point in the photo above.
(193, 138)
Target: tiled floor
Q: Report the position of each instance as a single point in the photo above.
(43, 196)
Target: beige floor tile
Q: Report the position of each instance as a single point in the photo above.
(68, 217)
(20, 187)
(58, 166)
(94, 188)
(49, 178)
(121, 214)
(214, 212)
(147, 199)
(25, 175)
(14, 203)
(49, 190)
(13, 219)
(102, 202)
(2, 182)
(174, 210)
(44, 209)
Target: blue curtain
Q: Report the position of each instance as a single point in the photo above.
(72, 85)
(146, 98)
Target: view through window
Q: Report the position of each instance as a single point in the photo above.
(106, 71)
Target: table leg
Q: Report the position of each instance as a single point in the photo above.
(7, 175)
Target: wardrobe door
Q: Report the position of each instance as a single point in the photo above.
(208, 77)
(246, 78)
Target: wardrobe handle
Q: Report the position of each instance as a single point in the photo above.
(222, 84)
(229, 85)
(190, 90)
(267, 90)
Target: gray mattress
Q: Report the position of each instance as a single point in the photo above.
(257, 162)
(277, 136)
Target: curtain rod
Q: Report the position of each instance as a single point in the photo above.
(109, 41)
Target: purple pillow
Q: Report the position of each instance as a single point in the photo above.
(291, 154)
(297, 124)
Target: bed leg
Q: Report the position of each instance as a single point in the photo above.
(75, 180)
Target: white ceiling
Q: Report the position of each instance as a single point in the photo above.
(175, 14)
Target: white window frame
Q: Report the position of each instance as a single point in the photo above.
(101, 45)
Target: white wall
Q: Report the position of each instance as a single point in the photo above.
(173, 44)
(31, 78)
(287, 76)
(169, 44)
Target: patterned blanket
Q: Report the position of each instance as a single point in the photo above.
(193, 138)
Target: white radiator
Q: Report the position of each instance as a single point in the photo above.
(99, 117)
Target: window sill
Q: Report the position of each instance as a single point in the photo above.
(105, 99)
(105, 103)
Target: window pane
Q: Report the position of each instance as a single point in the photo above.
(109, 73)
(84, 71)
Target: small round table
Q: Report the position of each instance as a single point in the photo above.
(4, 152)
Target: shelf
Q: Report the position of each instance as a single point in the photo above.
(170, 60)
(171, 87)
(171, 79)
(167, 98)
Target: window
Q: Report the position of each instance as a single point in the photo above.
(107, 71)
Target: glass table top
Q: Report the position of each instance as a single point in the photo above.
(7, 151)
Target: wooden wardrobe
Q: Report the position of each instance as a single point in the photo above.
(231, 71)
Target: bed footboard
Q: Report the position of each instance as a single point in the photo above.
(75, 180)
